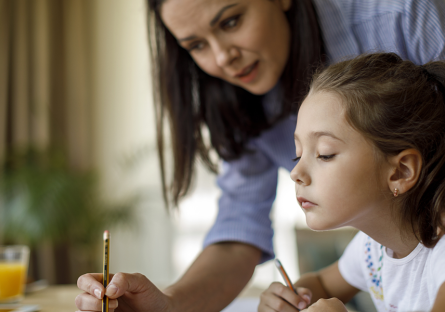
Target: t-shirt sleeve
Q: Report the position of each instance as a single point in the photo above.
(248, 187)
(437, 271)
(351, 261)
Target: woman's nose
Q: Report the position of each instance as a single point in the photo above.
(299, 174)
(225, 54)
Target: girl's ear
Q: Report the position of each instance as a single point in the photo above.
(406, 167)
(286, 4)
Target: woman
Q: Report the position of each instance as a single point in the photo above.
(238, 68)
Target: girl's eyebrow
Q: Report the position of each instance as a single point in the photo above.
(317, 134)
(212, 22)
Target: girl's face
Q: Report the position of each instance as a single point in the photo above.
(244, 42)
(338, 180)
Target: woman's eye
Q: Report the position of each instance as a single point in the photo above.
(195, 46)
(230, 23)
(296, 158)
(326, 157)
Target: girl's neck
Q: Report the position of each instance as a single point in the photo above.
(384, 230)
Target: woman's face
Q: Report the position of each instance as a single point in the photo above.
(244, 42)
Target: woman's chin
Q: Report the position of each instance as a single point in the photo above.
(259, 87)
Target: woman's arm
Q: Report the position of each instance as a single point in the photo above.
(215, 278)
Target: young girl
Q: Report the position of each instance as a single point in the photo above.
(370, 146)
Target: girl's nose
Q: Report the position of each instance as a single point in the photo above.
(225, 54)
(299, 174)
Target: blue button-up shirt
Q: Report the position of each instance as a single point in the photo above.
(414, 29)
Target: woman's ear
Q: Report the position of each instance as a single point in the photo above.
(406, 167)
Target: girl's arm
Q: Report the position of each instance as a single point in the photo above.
(439, 304)
(311, 287)
(327, 283)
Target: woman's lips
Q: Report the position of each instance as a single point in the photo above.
(305, 204)
(248, 74)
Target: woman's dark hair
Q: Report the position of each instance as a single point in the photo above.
(192, 100)
(398, 105)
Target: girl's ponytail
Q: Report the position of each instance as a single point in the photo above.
(432, 223)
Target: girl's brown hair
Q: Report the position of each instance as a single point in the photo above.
(398, 105)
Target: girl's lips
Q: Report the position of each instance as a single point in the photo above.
(248, 74)
(305, 204)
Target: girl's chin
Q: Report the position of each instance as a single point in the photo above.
(319, 225)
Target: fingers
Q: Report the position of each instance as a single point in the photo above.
(109, 310)
(332, 304)
(86, 302)
(306, 295)
(123, 282)
(281, 298)
(92, 284)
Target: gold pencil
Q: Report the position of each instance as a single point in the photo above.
(106, 268)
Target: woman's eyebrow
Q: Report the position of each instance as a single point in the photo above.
(218, 15)
(212, 22)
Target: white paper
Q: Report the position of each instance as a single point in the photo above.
(19, 307)
(243, 305)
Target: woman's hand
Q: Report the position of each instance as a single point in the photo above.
(126, 293)
(281, 298)
(327, 305)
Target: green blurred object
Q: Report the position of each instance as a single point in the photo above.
(42, 199)
(44, 202)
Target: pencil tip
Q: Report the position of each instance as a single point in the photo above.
(277, 262)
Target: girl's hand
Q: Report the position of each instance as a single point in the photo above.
(126, 293)
(281, 298)
(327, 305)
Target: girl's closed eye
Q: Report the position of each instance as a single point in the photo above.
(326, 157)
(296, 158)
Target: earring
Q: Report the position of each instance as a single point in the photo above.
(396, 192)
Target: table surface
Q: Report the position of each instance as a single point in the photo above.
(60, 298)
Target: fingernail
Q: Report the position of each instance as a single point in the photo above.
(307, 298)
(111, 290)
(98, 293)
(301, 305)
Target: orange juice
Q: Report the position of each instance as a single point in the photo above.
(12, 280)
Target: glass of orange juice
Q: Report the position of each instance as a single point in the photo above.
(13, 271)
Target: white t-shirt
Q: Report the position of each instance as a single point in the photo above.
(395, 285)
